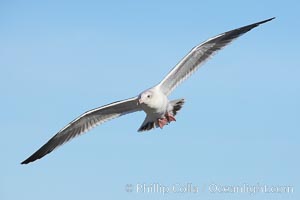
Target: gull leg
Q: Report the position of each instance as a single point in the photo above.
(161, 122)
(170, 117)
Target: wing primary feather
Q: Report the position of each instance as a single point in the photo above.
(84, 123)
(200, 54)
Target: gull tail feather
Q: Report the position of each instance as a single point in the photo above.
(177, 105)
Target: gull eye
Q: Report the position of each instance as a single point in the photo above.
(148, 96)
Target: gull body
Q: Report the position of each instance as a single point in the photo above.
(154, 101)
(160, 111)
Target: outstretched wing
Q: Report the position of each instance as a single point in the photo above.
(84, 123)
(199, 54)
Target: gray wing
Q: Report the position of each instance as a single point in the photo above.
(199, 54)
(84, 123)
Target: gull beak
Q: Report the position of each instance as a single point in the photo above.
(140, 101)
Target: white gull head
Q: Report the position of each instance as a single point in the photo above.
(153, 100)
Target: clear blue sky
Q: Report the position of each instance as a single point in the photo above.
(240, 123)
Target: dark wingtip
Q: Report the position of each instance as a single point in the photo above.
(264, 21)
(251, 26)
(24, 162)
(28, 160)
(44, 150)
(235, 33)
(261, 22)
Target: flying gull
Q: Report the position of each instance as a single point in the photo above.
(154, 101)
